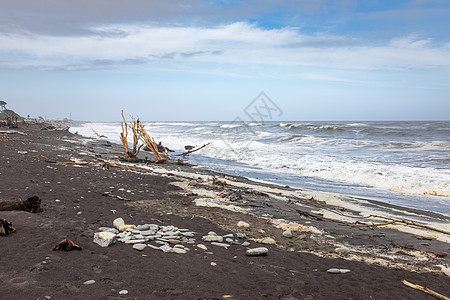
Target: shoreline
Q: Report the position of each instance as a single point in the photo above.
(191, 197)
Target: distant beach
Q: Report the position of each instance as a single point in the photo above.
(400, 163)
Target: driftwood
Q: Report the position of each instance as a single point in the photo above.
(308, 215)
(6, 227)
(64, 162)
(425, 290)
(67, 245)
(131, 155)
(150, 143)
(193, 150)
(107, 165)
(99, 135)
(32, 204)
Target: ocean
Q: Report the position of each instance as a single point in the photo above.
(401, 163)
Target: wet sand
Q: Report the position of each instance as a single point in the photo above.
(295, 268)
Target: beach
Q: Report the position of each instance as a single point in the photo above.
(79, 199)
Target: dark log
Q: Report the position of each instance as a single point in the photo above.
(32, 204)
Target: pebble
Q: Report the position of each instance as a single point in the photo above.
(166, 248)
(201, 246)
(139, 247)
(257, 251)
(89, 282)
(153, 247)
(287, 233)
(268, 241)
(118, 223)
(230, 235)
(135, 242)
(245, 244)
(123, 292)
(342, 250)
(220, 245)
(148, 232)
(229, 240)
(212, 238)
(241, 235)
(179, 250)
(135, 231)
(243, 224)
(337, 271)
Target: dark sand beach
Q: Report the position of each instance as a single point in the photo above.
(74, 206)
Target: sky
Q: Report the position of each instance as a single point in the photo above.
(208, 60)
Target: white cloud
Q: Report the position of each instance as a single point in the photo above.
(237, 43)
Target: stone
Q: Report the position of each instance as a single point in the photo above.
(241, 235)
(139, 237)
(212, 238)
(334, 271)
(89, 282)
(188, 234)
(229, 240)
(148, 232)
(268, 241)
(104, 239)
(220, 245)
(243, 224)
(134, 231)
(108, 229)
(118, 222)
(342, 250)
(245, 244)
(125, 227)
(166, 248)
(121, 235)
(230, 235)
(139, 247)
(174, 241)
(343, 271)
(135, 242)
(287, 233)
(179, 250)
(125, 239)
(201, 246)
(257, 251)
(123, 292)
(153, 247)
(179, 246)
(212, 233)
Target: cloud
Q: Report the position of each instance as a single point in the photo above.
(238, 43)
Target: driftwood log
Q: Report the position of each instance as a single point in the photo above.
(32, 204)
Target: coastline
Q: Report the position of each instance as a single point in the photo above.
(190, 197)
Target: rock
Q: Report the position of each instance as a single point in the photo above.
(220, 245)
(143, 227)
(230, 235)
(243, 224)
(337, 271)
(125, 239)
(123, 292)
(229, 240)
(342, 250)
(287, 233)
(89, 282)
(166, 248)
(104, 239)
(257, 251)
(134, 231)
(174, 241)
(135, 242)
(139, 237)
(201, 246)
(108, 229)
(118, 223)
(245, 244)
(212, 238)
(153, 247)
(212, 233)
(188, 234)
(268, 241)
(147, 232)
(139, 247)
(179, 250)
(125, 227)
(241, 235)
